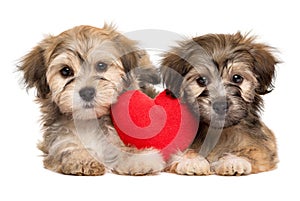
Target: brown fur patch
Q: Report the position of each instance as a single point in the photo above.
(226, 76)
(78, 74)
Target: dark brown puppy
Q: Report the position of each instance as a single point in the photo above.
(225, 75)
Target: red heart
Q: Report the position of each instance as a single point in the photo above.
(162, 123)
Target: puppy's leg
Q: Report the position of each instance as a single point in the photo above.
(126, 160)
(139, 162)
(251, 155)
(231, 165)
(81, 162)
(188, 163)
(68, 156)
(248, 160)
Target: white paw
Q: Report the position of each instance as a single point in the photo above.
(231, 165)
(142, 163)
(189, 163)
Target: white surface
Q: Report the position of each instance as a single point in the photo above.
(23, 24)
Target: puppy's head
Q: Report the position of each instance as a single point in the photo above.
(224, 74)
(84, 69)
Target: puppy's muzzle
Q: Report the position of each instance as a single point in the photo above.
(220, 107)
(87, 94)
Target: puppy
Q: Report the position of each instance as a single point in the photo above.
(78, 74)
(224, 76)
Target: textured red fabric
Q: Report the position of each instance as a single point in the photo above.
(162, 123)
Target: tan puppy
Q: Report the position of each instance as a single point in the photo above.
(78, 75)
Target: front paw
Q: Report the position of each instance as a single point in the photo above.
(231, 165)
(189, 163)
(80, 162)
(142, 163)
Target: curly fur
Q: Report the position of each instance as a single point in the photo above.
(75, 97)
(202, 71)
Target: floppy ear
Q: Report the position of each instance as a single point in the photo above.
(136, 61)
(34, 69)
(146, 72)
(264, 67)
(173, 69)
(129, 60)
(126, 48)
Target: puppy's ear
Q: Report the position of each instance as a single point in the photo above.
(136, 62)
(34, 68)
(138, 66)
(264, 67)
(127, 50)
(147, 73)
(173, 69)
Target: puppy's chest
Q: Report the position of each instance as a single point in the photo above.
(83, 129)
(220, 141)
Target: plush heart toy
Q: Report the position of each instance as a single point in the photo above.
(163, 123)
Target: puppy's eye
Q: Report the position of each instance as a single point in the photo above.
(202, 81)
(237, 79)
(101, 66)
(66, 71)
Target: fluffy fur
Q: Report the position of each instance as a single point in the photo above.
(78, 74)
(225, 76)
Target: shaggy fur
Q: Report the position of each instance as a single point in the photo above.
(224, 76)
(78, 75)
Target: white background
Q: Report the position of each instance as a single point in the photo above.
(23, 25)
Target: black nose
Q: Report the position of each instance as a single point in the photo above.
(87, 93)
(220, 107)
